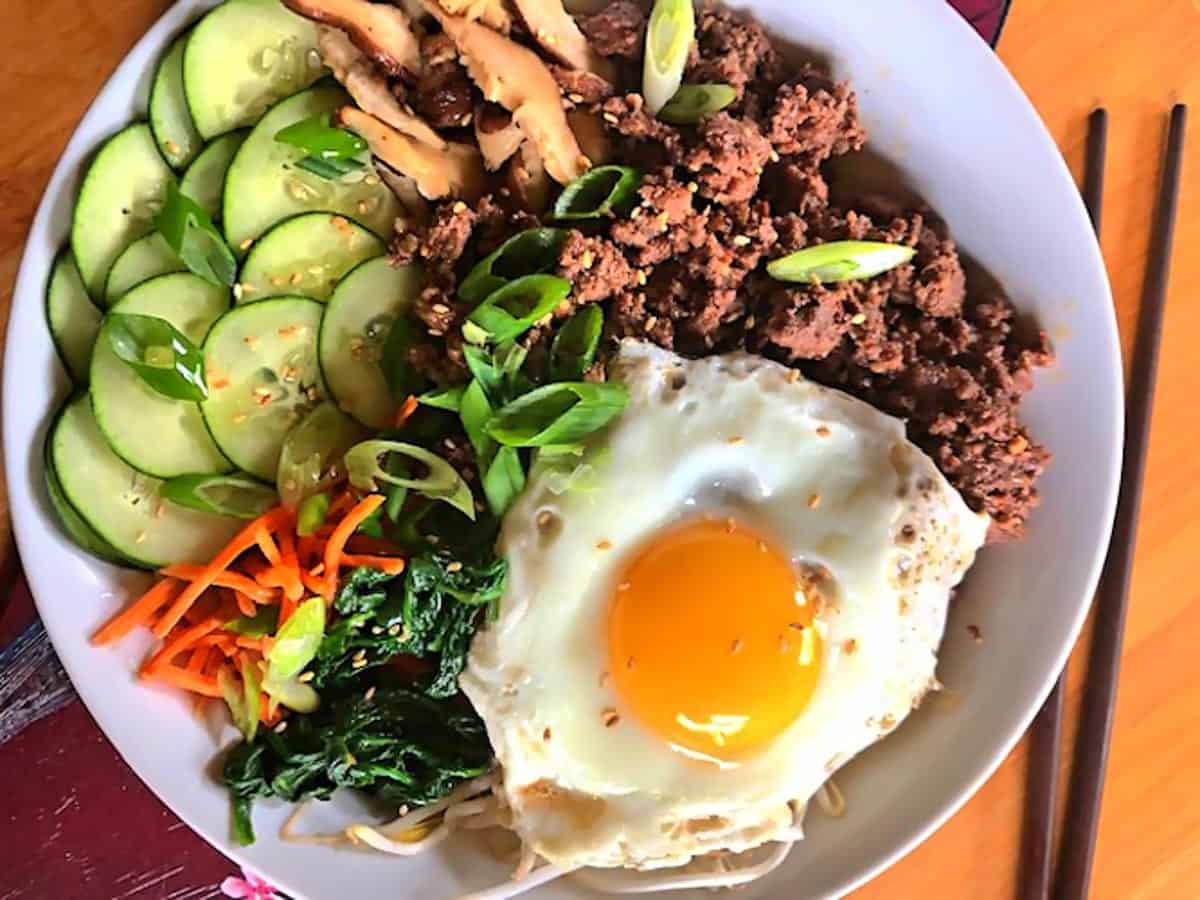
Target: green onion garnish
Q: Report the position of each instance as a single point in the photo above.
(840, 261)
(316, 137)
(512, 310)
(604, 191)
(574, 348)
(329, 169)
(441, 481)
(531, 252)
(163, 357)
(449, 399)
(669, 36)
(693, 102)
(557, 414)
(310, 515)
(503, 480)
(224, 495)
(190, 232)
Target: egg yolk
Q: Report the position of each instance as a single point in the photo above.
(711, 641)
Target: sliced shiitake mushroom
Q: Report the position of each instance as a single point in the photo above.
(554, 29)
(382, 31)
(490, 12)
(497, 135)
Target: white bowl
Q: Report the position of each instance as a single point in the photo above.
(940, 105)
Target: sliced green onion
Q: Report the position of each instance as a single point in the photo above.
(669, 36)
(224, 495)
(310, 515)
(512, 310)
(503, 480)
(310, 459)
(321, 140)
(530, 252)
(441, 482)
(242, 699)
(693, 102)
(262, 623)
(481, 364)
(473, 334)
(296, 643)
(604, 191)
(292, 693)
(329, 169)
(444, 398)
(840, 261)
(161, 355)
(189, 231)
(558, 414)
(476, 413)
(574, 347)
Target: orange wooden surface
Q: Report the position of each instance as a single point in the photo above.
(1135, 57)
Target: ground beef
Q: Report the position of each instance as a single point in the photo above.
(581, 87)
(684, 266)
(617, 30)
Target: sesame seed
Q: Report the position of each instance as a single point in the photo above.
(378, 629)
(858, 319)
(740, 240)
(1019, 444)
(237, 292)
(774, 157)
(814, 501)
(358, 662)
(459, 208)
(823, 431)
(449, 442)
(454, 567)
(610, 118)
(762, 547)
(440, 308)
(363, 207)
(372, 180)
(307, 677)
(624, 586)
(750, 322)
(575, 98)
(351, 760)
(730, 526)
(247, 243)
(546, 733)
(641, 276)
(296, 278)
(172, 148)
(249, 289)
(141, 538)
(610, 717)
(793, 376)
(394, 630)
(278, 281)
(465, 120)
(976, 634)
(650, 323)
(281, 727)
(736, 647)
(587, 259)
(636, 212)
(737, 439)
(604, 545)
(850, 647)
(692, 187)
(629, 664)
(370, 694)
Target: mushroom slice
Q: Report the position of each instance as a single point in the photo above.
(517, 79)
(454, 171)
(490, 12)
(591, 134)
(527, 179)
(497, 135)
(382, 31)
(416, 207)
(369, 89)
(559, 36)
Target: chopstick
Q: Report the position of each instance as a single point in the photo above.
(1045, 737)
(1091, 752)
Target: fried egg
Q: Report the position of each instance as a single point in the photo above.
(737, 588)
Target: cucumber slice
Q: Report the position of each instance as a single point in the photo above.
(80, 532)
(264, 187)
(204, 180)
(121, 194)
(357, 322)
(152, 433)
(72, 317)
(146, 258)
(122, 505)
(244, 57)
(263, 376)
(170, 120)
(306, 256)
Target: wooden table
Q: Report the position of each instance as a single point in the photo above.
(1137, 58)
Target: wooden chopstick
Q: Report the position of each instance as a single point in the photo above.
(1045, 737)
(1091, 751)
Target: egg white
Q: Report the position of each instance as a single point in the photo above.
(735, 435)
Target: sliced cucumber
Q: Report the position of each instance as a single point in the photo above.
(264, 187)
(244, 57)
(155, 434)
(204, 180)
(80, 532)
(170, 120)
(122, 505)
(357, 322)
(72, 317)
(146, 258)
(306, 256)
(121, 194)
(263, 376)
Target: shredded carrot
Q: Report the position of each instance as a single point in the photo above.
(233, 580)
(392, 565)
(245, 605)
(204, 685)
(221, 640)
(199, 658)
(137, 614)
(313, 583)
(286, 608)
(407, 408)
(242, 541)
(245, 642)
(180, 641)
(268, 546)
(341, 534)
(293, 588)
